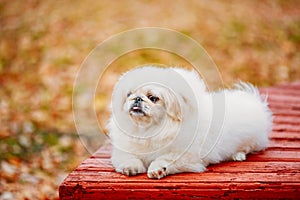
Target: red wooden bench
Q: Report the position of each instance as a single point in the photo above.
(273, 173)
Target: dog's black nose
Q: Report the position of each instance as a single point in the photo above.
(138, 99)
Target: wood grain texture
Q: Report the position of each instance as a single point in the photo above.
(273, 173)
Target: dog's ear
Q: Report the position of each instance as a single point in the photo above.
(172, 106)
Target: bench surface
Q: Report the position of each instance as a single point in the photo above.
(273, 173)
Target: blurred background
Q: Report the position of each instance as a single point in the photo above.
(43, 43)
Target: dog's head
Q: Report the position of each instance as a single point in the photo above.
(150, 104)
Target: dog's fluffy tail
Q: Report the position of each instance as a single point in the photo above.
(249, 88)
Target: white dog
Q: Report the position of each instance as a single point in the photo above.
(165, 122)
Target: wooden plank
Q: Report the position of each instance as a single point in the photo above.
(281, 143)
(285, 135)
(179, 193)
(289, 86)
(286, 127)
(250, 166)
(160, 185)
(285, 112)
(277, 106)
(103, 164)
(279, 155)
(183, 178)
(279, 119)
(278, 91)
(283, 99)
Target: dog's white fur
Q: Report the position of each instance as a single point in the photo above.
(187, 128)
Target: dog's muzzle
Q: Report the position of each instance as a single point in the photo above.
(137, 106)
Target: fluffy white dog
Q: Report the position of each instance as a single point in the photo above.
(165, 122)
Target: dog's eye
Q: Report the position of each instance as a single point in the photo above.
(128, 94)
(154, 99)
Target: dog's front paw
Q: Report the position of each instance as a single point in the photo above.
(131, 167)
(158, 173)
(158, 169)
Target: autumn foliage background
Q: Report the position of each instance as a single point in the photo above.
(43, 43)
